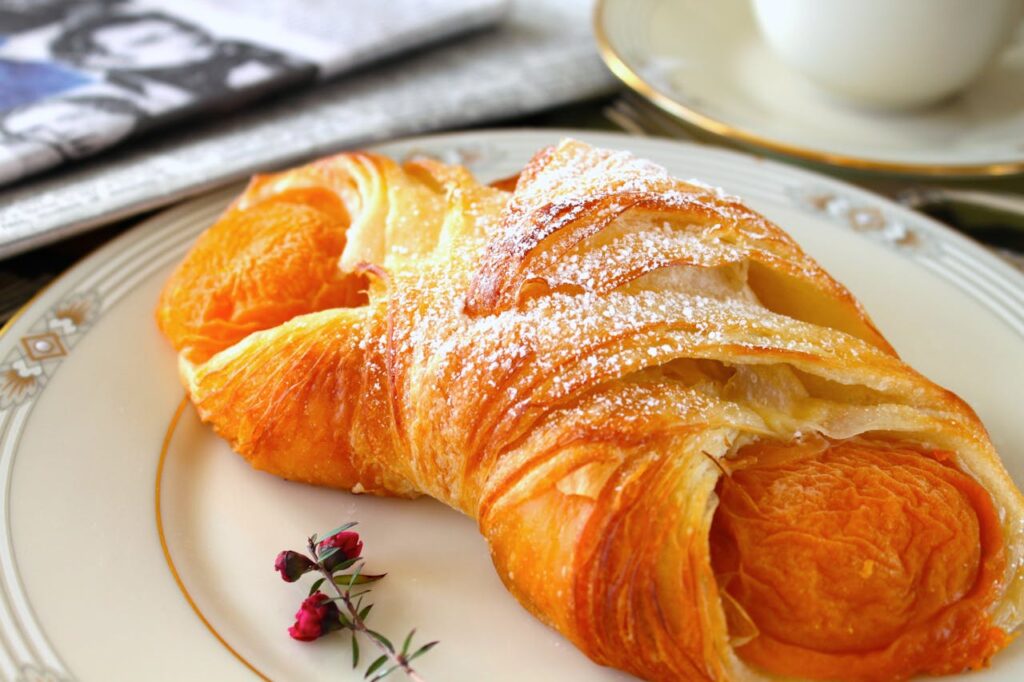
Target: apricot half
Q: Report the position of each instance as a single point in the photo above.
(859, 560)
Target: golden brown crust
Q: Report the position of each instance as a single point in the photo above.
(569, 364)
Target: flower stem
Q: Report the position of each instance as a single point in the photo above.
(358, 624)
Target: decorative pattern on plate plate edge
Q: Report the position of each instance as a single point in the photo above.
(28, 367)
(870, 220)
(468, 155)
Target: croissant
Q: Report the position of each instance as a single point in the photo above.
(688, 447)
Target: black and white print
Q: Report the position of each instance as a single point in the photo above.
(79, 76)
(63, 63)
(138, 50)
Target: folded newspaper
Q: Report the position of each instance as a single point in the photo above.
(77, 76)
(541, 55)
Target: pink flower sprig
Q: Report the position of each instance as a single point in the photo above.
(341, 550)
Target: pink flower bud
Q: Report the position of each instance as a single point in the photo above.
(349, 547)
(317, 616)
(292, 565)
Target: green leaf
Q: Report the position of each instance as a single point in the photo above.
(422, 650)
(345, 621)
(385, 673)
(347, 563)
(408, 641)
(375, 666)
(365, 612)
(382, 639)
(352, 579)
(355, 651)
(327, 553)
(315, 586)
(355, 575)
(340, 529)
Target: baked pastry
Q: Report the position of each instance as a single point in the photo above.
(690, 450)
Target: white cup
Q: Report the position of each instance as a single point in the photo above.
(889, 53)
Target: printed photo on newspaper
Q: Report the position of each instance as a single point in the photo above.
(81, 75)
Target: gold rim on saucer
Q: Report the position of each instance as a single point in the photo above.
(634, 81)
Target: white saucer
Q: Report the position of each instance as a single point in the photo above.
(706, 64)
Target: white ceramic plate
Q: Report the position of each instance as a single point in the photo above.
(99, 511)
(704, 62)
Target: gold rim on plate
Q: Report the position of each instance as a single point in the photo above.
(637, 83)
(165, 547)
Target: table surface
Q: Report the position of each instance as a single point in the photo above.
(23, 275)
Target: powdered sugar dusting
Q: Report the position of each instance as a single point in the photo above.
(570, 194)
(514, 317)
(650, 286)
